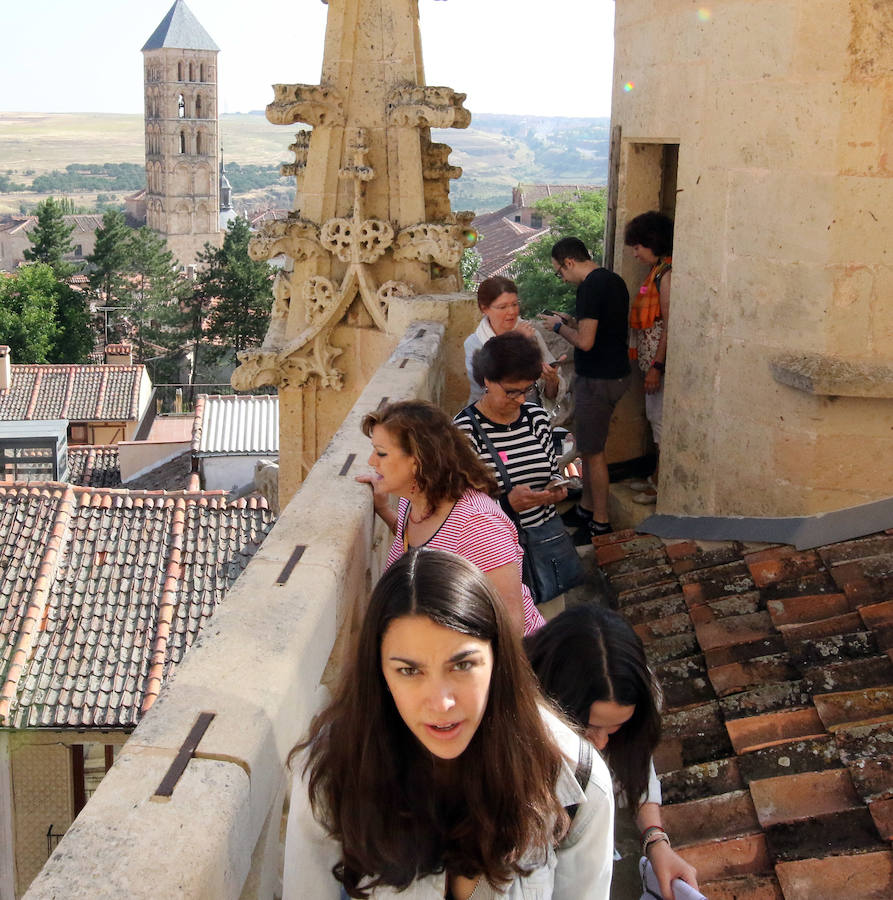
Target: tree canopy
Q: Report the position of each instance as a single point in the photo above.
(580, 216)
(51, 238)
(239, 293)
(28, 313)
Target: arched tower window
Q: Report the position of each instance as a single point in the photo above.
(199, 144)
(191, 73)
(198, 106)
(201, 72)
(182, 141)
(181, 107)
(179, 71)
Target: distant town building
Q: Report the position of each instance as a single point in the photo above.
(182, 148)
(14, 238)
(102, 404)
(230, 435)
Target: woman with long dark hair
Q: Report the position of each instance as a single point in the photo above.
(591, 663)
(436, 771)
(446, 498)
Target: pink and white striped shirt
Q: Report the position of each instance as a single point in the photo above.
(477, 530)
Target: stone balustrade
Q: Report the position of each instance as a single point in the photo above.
(261, 667)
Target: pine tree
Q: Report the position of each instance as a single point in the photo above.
(51, 238)
(110, 259)
(75, 337)
(242, 292)
(153, 294)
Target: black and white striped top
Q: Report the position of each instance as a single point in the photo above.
(526, 450)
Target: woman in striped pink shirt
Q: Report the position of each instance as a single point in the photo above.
(446, 498)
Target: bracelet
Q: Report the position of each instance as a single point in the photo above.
(661, 367)
(557, 327)
(653, 835)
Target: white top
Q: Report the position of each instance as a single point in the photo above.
(481, 335)
(578, 869)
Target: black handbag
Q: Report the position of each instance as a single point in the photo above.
(551, 563)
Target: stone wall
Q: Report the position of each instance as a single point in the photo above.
(781, 112)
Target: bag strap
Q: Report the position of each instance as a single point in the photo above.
(582, 772)
(471, 412)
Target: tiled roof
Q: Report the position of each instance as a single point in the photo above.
(235, 425)
(181, 30)
(79, 393)
(502, 240)
(83, 223)
(528, 194)
(777, 670)
(94, 466)
(267, 215)
(102, 592)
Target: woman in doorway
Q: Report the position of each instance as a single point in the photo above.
(591, 663)
(446, 498)
(650, 236)
(501, 313)
(435, 771)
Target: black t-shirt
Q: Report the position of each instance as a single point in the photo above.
(603, 296)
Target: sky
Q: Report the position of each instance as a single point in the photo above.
(508, 56)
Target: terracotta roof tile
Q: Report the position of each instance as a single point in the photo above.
(784, 656)
(94, 466)
(80, 393)
(135, 578)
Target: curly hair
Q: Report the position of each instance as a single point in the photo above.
(589, 654)
(491, 288)
(397, 813)
(446, 464)
(508, 357)
(653, 230)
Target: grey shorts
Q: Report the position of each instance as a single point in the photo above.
(594, 402)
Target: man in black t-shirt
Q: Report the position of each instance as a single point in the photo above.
(598, 333)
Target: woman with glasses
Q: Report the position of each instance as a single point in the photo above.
(514, 438)
(446, 498)
(501, 308)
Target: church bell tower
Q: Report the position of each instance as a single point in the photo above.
(182, 156)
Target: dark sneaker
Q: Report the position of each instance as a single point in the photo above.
(590, 530)
(576, 515)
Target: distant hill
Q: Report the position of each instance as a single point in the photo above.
(496, 153)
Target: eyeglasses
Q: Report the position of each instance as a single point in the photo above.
(515, 305)
(516, 393)
(559, 270)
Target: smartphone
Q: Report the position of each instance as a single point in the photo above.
(557, 483)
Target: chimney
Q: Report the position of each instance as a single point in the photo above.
(5, 368)
(119, 355)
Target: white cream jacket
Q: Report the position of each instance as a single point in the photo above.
(578, 869)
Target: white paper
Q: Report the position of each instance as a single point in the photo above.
(651, 886)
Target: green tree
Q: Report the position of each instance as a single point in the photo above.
(153, 294)
(75, 337)
(28, 313)
(469, 263)
(242, 292)
(51, 238)
(583, 217)
(110, 260)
